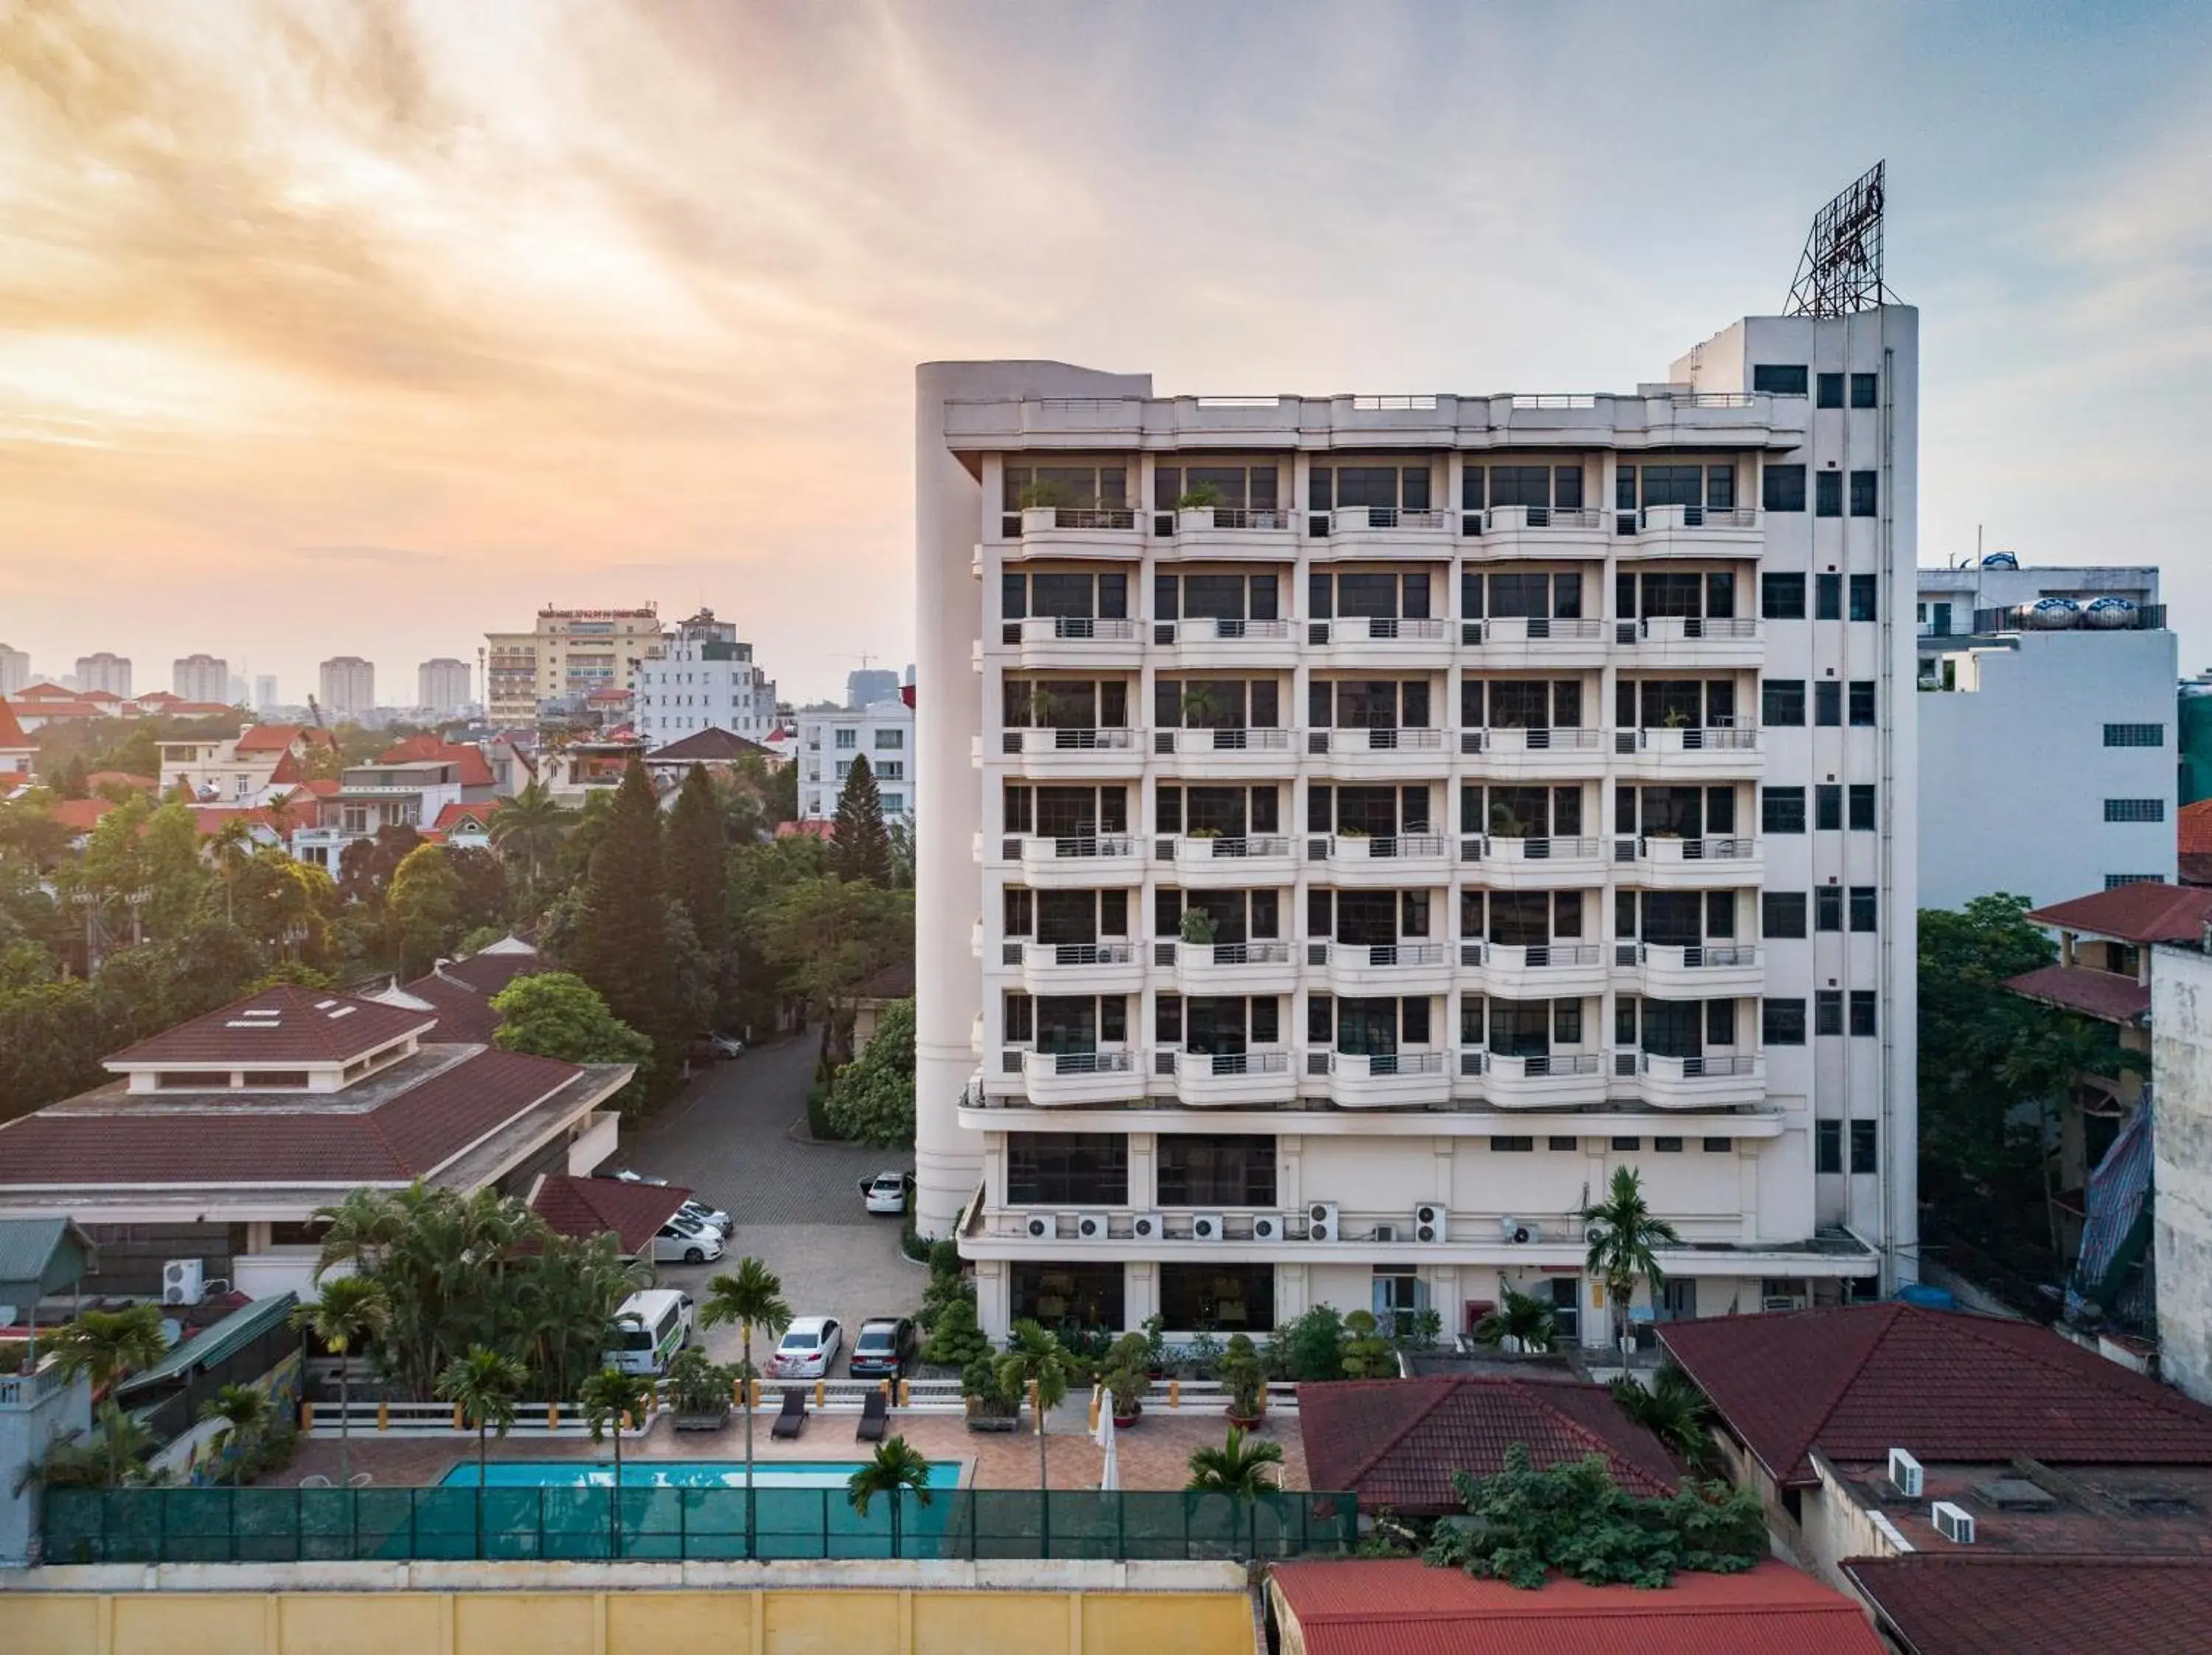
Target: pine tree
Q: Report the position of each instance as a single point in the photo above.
(697, 876)
(621, 946)
(863, 845)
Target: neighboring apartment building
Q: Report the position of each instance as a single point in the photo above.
(704, 679)
(867, 685)
(349, 686)
(443, 687)
(410, 785)
(103, 671)
(570, 653)
(2063, 675)
(1379, 818)
(264, 694)
(201, 678)
(261, 762)
(830, 741)
(14, 669)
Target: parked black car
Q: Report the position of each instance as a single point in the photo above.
(885, 1348)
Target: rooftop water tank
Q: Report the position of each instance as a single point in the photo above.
(2108, 613)
(2053, 614)
(2000, 560)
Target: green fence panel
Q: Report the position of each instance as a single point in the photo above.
(71, 1525)
(384, 1525)
(713, 1523)
(444, 1525)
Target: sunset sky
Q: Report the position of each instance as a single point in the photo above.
(362, 328)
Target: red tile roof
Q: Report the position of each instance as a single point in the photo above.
(198, 709)
(2192, 828)
(2149, 911)
(276, 738)
(144, 783)
(1400, 1606)
(813, 827)
(585, 1207)
(476, 769)
(1857, 1380)
(1945, 1605)
(452, 817)
(462, 991)
(714, 744)
(2103, 994)
(1396, 1442)
(11, 732)
(287, 1023)
(270, 1138)
(45, 691)
(79, 815)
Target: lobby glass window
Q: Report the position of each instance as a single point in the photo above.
(1057, 1295)
(1827, 702)
(1827, 807)
(1782, 913)
(1068, 1169)
(1782, 489)
(1863, 388)
(1224, 1299)
(1827, 1145)
(1827, 1011)
(1782, 702)
(1865, 492)
(1863, 1012)
(1781, 597)
(1861, 710)
(1861, 815)
(1828, 391)
(1782, 810)
(1862, 908)
(1864, 589)
(1827, 493)
(1779, 378)
(1863, 1159)
(1781, 1022)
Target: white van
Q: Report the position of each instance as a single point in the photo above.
(649, 1331)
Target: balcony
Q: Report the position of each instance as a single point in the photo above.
(1228, 532)
(1077, 968)
(1070, 531)
(1263, 967)
(1397, 1080)
(1216, 859)
(1713, 1082)
(1389, 968)
(1230, 752)
(1511, 754)
(1516, 863)
(1550, 971)
(1202, 641)
(1705, 970)
(1383, 531)
(1690, 530)
(1535, 640)
(1382, 754)
(1675, 864)
(1669, 640)
(1689, 750)
(1380, 642)
(1055, 751)
(1107, 1076)
(1557, 1080)
(1381, 859)
(1260, 1076)
(1078, 641)
(1535, 531)
(1086, 860)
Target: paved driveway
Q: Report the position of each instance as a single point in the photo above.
(797, 1204)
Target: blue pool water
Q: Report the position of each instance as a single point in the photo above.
(673, 1474)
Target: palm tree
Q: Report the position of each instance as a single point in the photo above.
(351, 1311)
(896, 1467)
(484, 1384)
(1239, 1468)
(753, 1297)
(1036, 1358)
(611, 1398)
(231, 847)
(1673, 1410)
(1625, 1240)
(108, 1344)
(244, 1411)
(1522, 1317)
(532, 825)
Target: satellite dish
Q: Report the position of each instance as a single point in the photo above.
(172, 1331)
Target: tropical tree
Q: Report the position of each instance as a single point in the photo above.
(422, 906)
(114, 1456)
(1242, 1467)
(620, 944)
(1673, 1410)
(105, 1345)
(895, 1467)
(751, 1297)
(484, 1385)
(861, 848)
(244, 1413)
(697, 875)
(873, 1101)
(1036, 1363)
(230, 846)
(1625, 1240)
(350, 1310)
(1521, 1318)
(611, 1398)
(562, 1300)
(530, 826)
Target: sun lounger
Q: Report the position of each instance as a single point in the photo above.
(792, 1420)
(875, 1415)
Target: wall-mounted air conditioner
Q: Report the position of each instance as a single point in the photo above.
(1322, 1221)
(1147, 1227)
(184, 1281)
(1519, 1232)
(1432, 1222)
(1266, 1227)
(1904, 1474)
(1042, 1227)
(1954, 1523)
(1206, 1226)
(1091, 1226)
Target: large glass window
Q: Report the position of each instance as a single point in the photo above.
(1219, 1170)
(1221, 1298)
(1085, 486)
(1085, 1295)
(1779, 378)
(1068, 1169)
(1237, 486)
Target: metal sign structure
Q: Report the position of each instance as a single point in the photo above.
(1840, 272)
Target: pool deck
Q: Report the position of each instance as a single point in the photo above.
(1152, 1454)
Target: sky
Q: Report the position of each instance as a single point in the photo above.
(364, 328)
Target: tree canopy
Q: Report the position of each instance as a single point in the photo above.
(862, 850)
(873, 1101)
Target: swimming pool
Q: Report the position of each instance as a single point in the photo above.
(673, 1474)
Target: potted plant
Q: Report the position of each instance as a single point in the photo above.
(701, 1389)
(1200, 928)
(989, 1407)
(1156, 1345)
(1127, 1378)
(1247, 1381)
(1195, 506)
(1367, 1354)
(1041, 504)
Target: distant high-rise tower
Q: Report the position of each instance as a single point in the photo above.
(201, 678)
(264, 692)
(349, 686)
(105, 671)
(869, 685)
(15, 670)
(442, 686)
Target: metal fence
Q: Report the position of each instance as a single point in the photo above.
(288, 1525)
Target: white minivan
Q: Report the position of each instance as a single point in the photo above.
(649, 1331)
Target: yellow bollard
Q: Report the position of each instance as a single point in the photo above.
(821, 1391)
(307, 1419)
(384, 1416)
(1094, 1410)
(552, 1416)
(653, 1398)
(754, 1385)
(736, 1393)
(885, 1387)
(906, 1393)
(459, 1423)
(1174, 1393)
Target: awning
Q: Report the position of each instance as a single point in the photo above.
(226, 1338)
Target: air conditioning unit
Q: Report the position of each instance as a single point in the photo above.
(184, 1281)
(1206, 1226)
(1431, 1223)
(1953, 1522)
(1266, 1227)
(1322, 1221)
(1091, 1226)
(1147, 1227)
(1519, 1232)
(1386, 1232)
(1904, 1474)
(1042, 1227)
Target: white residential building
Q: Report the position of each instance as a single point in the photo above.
(349, 686)
(1359, 825)
(830, 741)
(103, 671)
(570, 653)
(2062, 677)
(14, 669)
(414, 793)
(444, 686)
(705, 679)
(201, 678)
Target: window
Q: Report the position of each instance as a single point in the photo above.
(2134, 735)
(1828, 391)
(1055, 1293)
(1667, 1145)
(2114, 881)
(1828, 908)
(1863, 590)
(1782, 810)
(1216, 1170)
(1720, 1145)
(1862, 390)
(1231, 1298)
(894, 803)
(1862, 807)
(1779, 378)
(848, 739)
(1827, 808)
(1076, 1169)
(1828, 597)
(1862, 1004)
(1510, 1145)
(1861, 702)
(1862, 908)
(1782, 702)
(1781, 597)
(1828, 493)
(1827, 703)
(1781, 1022)
(1557, 1142)
(1827, 1011)
(1827, 1145)
(1862, 1143)
(2134, 810)
(890, 740)
(1782, 913)
(1864, 489)
(1628, 1143)
(1782, 488)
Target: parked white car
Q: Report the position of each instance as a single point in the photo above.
(809, 1349)
(886, 1192)
(699, 1213)
(680, 1241)
(728, 1045)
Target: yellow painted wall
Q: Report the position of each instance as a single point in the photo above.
(822, 1622)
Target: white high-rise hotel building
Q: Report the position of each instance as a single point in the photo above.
(1358, 824)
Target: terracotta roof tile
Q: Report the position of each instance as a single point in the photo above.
(2192, 828)
(452, 817)
(80, 815)
(709, 746)
(11, 732)
(289, 1024)
(475, 769)
(584, 1208)
(1943, 1604)
(2077, 989)
(462, 992)
(2149, 911)
(274, 738)
(1396, 1442)
(1857, 1380)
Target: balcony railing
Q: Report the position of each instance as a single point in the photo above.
(1199, 629)
(1375, 629)
(1381, 954)
(1650, 519)
(1380, 847)
(1220, 1065)
(1351, 519)
(1475, 1061)
(1203, 848)
(1045, 628)
(1045, 847)
(1202, 954)
(1626, 1063)
(1529, 956)
(1510, 740)
(1686, 739)
(1374, 1065)
(1374, 741)
(1530, 629)
(1058, 738)
(1198, 519)
(1221, 741)
(1028, 1060)
(1677, 629)
(1491, 847)
(1659, 849)
(1031, 519)
(1506, 520)
(1021, 951)
(1688, 956)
